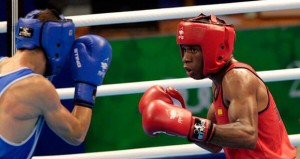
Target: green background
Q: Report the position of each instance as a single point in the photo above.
(116, 122)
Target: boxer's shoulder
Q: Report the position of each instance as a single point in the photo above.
(34, 85)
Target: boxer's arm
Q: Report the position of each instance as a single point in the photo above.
(239, 92)
(90, 59)
(71, 127)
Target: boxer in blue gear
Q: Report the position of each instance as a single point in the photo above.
(28, 99)
(54, 37)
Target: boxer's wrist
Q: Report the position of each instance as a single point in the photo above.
(85, 94)
(201, 130)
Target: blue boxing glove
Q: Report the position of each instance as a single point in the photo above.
(90, 58)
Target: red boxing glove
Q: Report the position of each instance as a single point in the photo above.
(153, 93)
(175, 94)
(161, 117)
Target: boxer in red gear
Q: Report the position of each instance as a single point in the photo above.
(246, 122)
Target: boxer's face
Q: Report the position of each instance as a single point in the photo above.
(192, 61)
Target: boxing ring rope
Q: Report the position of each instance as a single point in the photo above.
(177, 12)
(180, 83)
(153, 152)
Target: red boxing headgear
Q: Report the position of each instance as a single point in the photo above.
(213, 35)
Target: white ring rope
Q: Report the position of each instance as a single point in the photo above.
(153, 152)
(180, 83)
(183, 12)
(3, 27)
(178, 12)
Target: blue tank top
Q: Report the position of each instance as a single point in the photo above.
(25, 149)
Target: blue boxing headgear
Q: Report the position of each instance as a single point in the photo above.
(54, 37)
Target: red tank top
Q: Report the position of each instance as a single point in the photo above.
(272, 142)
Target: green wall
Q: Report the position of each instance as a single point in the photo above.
(116, 122)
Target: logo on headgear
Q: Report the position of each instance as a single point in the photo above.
(181, 32)
(25, 32)
(104, 67)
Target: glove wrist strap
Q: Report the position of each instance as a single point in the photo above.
(201, 130)
(85, 94)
